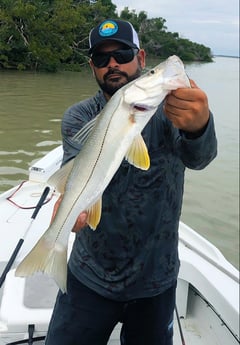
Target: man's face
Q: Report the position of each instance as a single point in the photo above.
(115, 75)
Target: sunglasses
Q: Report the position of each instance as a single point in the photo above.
(121, 56)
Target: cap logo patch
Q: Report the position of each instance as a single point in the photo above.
(108, 28)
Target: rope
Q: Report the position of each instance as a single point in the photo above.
(10, 197)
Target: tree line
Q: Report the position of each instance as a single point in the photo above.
(51, 34)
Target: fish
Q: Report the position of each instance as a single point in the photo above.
(114, 134)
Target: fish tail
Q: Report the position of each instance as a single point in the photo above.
(46, 257)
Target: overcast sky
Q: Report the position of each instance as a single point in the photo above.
(214, 23)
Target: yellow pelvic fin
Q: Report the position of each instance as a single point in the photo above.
(137, 154)
(46, 257)
(94, 214)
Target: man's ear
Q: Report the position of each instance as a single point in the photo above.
(142, 56)
(92, 66)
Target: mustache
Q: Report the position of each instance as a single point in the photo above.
(114, 71)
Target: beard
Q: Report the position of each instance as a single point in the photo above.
(114, 79)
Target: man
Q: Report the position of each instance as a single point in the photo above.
(127, 269)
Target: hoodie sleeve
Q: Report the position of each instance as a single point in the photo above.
(197, 152)
(71, 123)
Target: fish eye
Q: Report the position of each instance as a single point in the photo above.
(152, 71)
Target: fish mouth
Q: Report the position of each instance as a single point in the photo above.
(142, 107)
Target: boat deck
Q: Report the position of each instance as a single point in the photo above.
(191, 336)
(115, 337)
(198, 327)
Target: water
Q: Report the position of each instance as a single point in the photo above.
(31, 108)
(211, 201)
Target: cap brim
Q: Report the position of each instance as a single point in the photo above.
(127, 43)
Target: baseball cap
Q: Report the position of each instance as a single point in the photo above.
(113, 29)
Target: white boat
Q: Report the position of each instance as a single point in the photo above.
(207, 291)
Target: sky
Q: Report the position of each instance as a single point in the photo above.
(213, 23)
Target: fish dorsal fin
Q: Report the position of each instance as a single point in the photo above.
(81, 136)
(94, 214)
(137, 154)
(59, 178)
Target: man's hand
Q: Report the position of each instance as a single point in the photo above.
(81, 220)
(187, 108)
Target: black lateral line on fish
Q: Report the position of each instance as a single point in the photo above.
(90, 175)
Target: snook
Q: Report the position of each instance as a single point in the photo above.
(114, 134)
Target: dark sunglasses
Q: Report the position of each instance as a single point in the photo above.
(101, 59)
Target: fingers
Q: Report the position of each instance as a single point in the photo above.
(55, 208)
(193, 84)
(187, 108)
(80, 222)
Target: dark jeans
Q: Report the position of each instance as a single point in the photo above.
(82, 317)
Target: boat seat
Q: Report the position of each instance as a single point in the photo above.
(27, 301)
